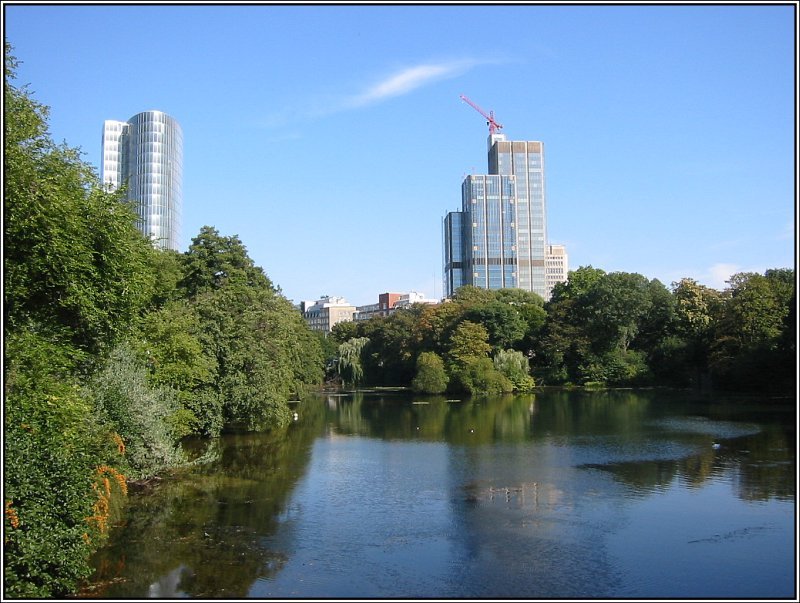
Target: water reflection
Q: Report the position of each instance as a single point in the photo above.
(383, 494)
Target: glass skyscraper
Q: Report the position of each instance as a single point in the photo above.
(502, 237)
(145, 154)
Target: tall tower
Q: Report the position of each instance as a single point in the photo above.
(525, 161)
(145, 154)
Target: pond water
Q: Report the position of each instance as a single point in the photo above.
(561, 494)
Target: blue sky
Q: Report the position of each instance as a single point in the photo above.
(332, 140)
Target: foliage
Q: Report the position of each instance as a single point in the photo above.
(138, 412)
(478, 376)
(431, 377)
(749, 349)
(349, 364)
(52, 448)
(514, 365)
(214, 261)
(469, 341)
(74, 261)
(115, 350)
(504, 325)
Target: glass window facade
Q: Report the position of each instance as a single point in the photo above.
(500, 234)
(488, 250)
(525, 160)
(146, 154)
(453, 252)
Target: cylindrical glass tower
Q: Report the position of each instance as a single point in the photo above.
(146, 154)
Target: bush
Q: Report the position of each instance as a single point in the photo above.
(431, 377)
(56, 460)
(514, 365)
(139, 413)
(478, 376)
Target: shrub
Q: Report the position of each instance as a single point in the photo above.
(53, 451)
(431, 378)
(139, 413)
(514, 365)
(478, 376)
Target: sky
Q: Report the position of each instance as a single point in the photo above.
(332, 140)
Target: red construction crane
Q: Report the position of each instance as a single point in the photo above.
(493, 125)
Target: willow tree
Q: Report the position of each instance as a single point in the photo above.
(349, 365)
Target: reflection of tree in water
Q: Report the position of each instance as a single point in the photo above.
(763, 467)
(199, 533)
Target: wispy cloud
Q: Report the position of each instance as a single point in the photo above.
(409, 79)
(391, 85)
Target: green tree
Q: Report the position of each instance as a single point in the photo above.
(697, 310)
(214, 261)
(75, 264)
(140, 413)
(503, 323)
(53, 449)
(469, 340)
(349, 364)
(748, 350)
(431, 377)
(514, 365)
(478, 376)
(77, 277)
(176, 358)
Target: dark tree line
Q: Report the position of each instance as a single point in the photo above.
(615, 329)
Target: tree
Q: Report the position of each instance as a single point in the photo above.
(514, 365)
(748, 351)
(138, 412)
(431, 377)
(213, 261)
(613, 308)
(75, 264)
(349, 365)
(503, 323)
(77, 278)
(697, 310)
(469, 340)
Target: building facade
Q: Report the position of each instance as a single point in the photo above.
(322, 314)
(525, 161)
(389, 302)
(557, 267)
(499, 238)
(145, 155)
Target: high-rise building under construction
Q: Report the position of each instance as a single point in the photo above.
(499, 238)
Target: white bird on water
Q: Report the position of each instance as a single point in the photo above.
(715, 446)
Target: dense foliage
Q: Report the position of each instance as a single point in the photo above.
(114, 351)
(615, 329)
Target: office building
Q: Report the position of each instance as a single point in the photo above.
(557, 267)
(322, 314)
(389, 302)
(145, 155)
(499, 238)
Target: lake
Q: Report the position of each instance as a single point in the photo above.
(558, 494)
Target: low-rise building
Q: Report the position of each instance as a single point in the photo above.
(389, 302)
(322, 314)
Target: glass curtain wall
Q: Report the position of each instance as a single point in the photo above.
(147, 155)
(489, 211)
(525, 160)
